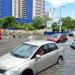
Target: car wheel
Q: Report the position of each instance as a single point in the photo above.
(60, 59)
(27, 72)
(72, 47)
(61, 41)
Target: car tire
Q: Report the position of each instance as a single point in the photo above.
(70, 34)
(27, 72)
(60, 59)
(61, 41)
(72, 47)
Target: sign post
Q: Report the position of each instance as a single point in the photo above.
(59, 23)
(48, 24)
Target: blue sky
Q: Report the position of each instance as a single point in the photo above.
(67, 10)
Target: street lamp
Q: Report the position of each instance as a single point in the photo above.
(19, 30)
(60, 19)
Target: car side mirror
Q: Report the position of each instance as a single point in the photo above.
(37, 57)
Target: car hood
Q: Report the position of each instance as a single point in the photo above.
(53, 39)
(8, 61)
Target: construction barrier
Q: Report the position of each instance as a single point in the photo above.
(50, 33)
(1, 33)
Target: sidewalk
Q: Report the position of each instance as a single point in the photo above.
(25, 32)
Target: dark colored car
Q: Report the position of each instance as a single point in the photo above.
(58, 38)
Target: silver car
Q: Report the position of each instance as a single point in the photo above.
(30, 58)
(72, 45)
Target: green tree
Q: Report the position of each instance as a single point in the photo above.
(1, 22)
(55, 27)
(10, 20)
(29, 26)
(13, 24)
(37, 23)
(45, 19)
(5, 23)
(72, 26)
(67, 22)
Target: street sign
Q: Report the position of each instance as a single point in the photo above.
(59, 23)
(48, 24)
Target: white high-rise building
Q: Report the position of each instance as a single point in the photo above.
(52, 13)
(38, 8)
(19, 8)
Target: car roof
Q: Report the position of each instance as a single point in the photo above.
(59, 34)
(38, 42)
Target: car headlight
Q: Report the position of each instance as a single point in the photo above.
(12, 72)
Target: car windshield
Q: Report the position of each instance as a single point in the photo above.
(24, 50)
(55, 35)
(73, 43)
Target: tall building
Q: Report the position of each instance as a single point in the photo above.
(47, 14)
(24, 9)
(5, 8)
(19, 8)
(38, 8)
(52, 13)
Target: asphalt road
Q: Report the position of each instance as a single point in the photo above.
(67, 67)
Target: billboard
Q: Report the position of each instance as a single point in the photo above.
(49, 24)
(59, 23)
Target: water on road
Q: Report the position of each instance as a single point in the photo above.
(67, 67)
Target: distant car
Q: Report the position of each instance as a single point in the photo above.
(71, 33)
(58, 38)
(30, 58)
(72, 45)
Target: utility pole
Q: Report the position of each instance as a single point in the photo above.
(60, 19)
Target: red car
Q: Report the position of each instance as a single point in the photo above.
(57, 38)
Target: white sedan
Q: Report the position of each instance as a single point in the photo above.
(30, 58)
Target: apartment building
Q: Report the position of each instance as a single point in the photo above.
(19, 8)
(26, 9)
(5, 8)
(38, 8)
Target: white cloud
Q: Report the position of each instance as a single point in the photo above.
(56, 3)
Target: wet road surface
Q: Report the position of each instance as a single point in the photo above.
(67, 67)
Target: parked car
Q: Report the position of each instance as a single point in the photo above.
(72, 45)
(30, 58)
(57, 38)
(71, 33)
